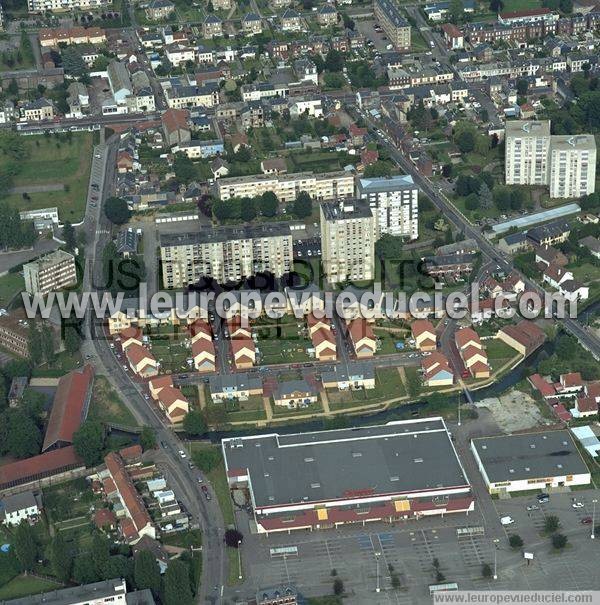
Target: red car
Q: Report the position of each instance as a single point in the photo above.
(586, 520)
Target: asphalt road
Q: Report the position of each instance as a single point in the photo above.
(184, 480)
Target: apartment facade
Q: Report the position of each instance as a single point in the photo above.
(225, 254)
(54, 271)
(572, 165)
(39, 6)
(526, 155)
(396, 27)
(324, 186)
(347, 240)
(395, 204)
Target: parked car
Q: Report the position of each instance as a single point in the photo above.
(508, 520)
(205, 491)
(182, 454)
(586, 520)
(533, 507)
(543, 498)
(577, 505)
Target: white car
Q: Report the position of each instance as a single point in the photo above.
(577, 505)
(182, 454)
(533, 507)
(508, 520)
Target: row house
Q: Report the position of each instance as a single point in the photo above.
(472, 353)
(181, 97)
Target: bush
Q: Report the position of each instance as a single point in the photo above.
(515, 541)
(559, 541)
(338, 587)
(551, 524)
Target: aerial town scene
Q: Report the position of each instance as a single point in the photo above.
(299, 302)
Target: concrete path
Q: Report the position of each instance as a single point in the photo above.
(268, 410)
(402, 373)
(202, 396)
(325, 402)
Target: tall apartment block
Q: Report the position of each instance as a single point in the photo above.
(572, 165)
(225, 254)
(526, 154)
(325, 186)
(397, 28)
(52, 272)
(347, 240)
(395, 204)
(566, 163)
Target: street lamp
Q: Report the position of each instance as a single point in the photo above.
(459, 410)
(378, 587)
(593, 535)
(239, 560)
(496, 559)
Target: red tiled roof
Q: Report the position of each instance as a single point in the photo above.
(132, 332)
(478, 367)
(175, 119)
(323, 335)
(562, 412)
(532, 12)
(202, 346)
(526, 333)
(237, 344)
(592, 389)
(436, 362)
(160, 382)
(573, 379)
(311, 320)
(451, 30)
(133, 452)
(200, 327)
(169, 395)
(587, 404)
(43, 465)
(359, 329)
(420, 326)
(109, 487)
(545, 388)
(69, 407)
(131, 498)
(104, 517)
(466, 335)
(137, 353)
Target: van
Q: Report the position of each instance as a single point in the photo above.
(508, 520)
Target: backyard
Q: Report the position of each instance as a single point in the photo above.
(282, 344)
(171, 353)
(47, 157)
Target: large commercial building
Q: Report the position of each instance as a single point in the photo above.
(400, 470)
(225, 254)
(572, 165)
(395, 204)
(326, 186)
(513, 463)
(347, 241)
(397, 28)
(526, 155)
(567, 163)
(54, 271)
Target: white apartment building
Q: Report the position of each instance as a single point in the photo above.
(39, 6)
(225, 254)
(347, 241)
(526, 155)
(572, 165)
(54, 271)
(107, 592)
(394, 202)
(324, 186)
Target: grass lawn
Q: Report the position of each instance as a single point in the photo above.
(279, 344)
(388, 385)
(10, 285)
(323, 161)
(53, 162)
(242, 411)
(417, 42)
(282, 410)
(520, 5)
(184, 539)
(387, 341)
(218, 480)
(23, 586)
(65, 362)
(585, 272)
(233, 567)
(496, 349)
(172, 354)
(106, 405)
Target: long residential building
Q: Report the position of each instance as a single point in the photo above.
(347, 241)
(51, 272)
(225, 254)
(395, 204)
(397, 28)
(322, 186)
(572, 165)
(39, 6)
(401, 470)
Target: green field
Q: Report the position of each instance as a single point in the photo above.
(520, 5)
(54, 162)
(23, 586)
(10, 285)
(106, 405)
(282, 344)
(496, 349)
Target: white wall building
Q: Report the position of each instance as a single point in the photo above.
(572, 165)
(526, 155)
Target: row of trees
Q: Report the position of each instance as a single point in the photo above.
(267, 204)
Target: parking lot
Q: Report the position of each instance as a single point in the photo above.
(460, 543)
(307, 248)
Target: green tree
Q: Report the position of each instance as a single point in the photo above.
(146, 572)
(338, 587)
(486, 199)
(25, 545)
(486, 571)
(207, 459)
(389, 247)
(60, 558)
(269, 204)
(456, 11)
(185, 170)
(89, 442)
(194, 423)
(522, 87)
(465, 141)
(378, 169)
(35, 343)
(248, 209)
(48, 347)
(302, 205)
(84, 570)
(551, 524)
(148, 438)
(21, 437)
(559, 541)
(334, 61)
(69, 236)
(100, 552)
(116, 210)
(177, 589)
(515, 541)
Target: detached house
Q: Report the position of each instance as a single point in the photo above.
(141, 361)
(212, 27)
(324, 344)
(327, 15)
(203, 353)
(244, 352)
(159, 10)
(472, 353)
(252, 24)
(436, 370)
(129, 336)
(424, 335)
(291, 21)
(173, 403)
(362, 338)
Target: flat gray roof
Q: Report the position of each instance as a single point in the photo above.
(346, 209)
(399, 457)
(537, 217)
(76, 594)
(529, 456)
(224, 234)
